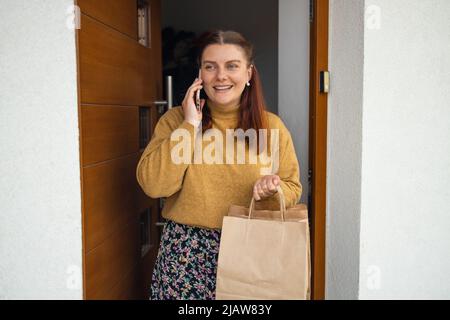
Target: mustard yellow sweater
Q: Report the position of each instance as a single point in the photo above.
(200, 194)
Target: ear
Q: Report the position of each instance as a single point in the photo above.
(250, 72)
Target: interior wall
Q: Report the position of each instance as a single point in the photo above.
(293, 79)
(256, 20)
(40, 200)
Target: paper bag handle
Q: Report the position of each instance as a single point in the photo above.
(282, 204)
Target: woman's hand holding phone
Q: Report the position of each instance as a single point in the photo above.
(191, 113)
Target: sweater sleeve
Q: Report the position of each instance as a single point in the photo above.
(289, 173)
(157, 174)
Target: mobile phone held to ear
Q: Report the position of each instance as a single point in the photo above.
(197, 94)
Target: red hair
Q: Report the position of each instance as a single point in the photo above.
(252, 114)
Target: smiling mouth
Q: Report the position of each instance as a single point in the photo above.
(222, 88)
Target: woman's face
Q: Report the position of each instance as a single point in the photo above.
(225, 72)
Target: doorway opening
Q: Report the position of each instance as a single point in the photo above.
(290, 69)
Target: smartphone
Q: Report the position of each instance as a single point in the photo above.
(197, 94)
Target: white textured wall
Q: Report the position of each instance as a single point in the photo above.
(405, 204)
(257, 20)
(346, 49)
(40, 203)
(389, 150)
(293, 79)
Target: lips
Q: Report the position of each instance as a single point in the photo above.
(222, 88)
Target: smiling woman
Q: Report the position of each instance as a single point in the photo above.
(199, 194)
(230, 78)
(224, 80)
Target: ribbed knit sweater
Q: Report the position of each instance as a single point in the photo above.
(200, 193)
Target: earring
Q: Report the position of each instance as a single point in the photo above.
(248, 83)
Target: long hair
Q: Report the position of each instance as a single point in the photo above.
(252, 114)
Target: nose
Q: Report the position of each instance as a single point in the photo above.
(221, 74)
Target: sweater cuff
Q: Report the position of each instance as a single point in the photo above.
(189, 126)
(193, 131)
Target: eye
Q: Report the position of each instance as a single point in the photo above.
(209, 67)
(233, 66)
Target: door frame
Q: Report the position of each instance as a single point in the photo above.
(318, 144)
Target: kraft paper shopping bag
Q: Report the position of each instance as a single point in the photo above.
(264, 254)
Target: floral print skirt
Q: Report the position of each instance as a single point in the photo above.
(186, 265)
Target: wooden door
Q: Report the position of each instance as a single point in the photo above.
(318, 145)
(119, 78)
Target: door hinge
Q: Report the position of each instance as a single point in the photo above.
(324, 82)
(311, 10)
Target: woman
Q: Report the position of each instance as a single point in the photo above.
(199, 193)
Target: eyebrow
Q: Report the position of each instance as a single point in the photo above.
(207, 61)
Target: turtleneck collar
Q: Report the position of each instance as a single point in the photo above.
(221, 112)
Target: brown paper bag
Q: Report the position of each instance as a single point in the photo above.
(264, 254)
